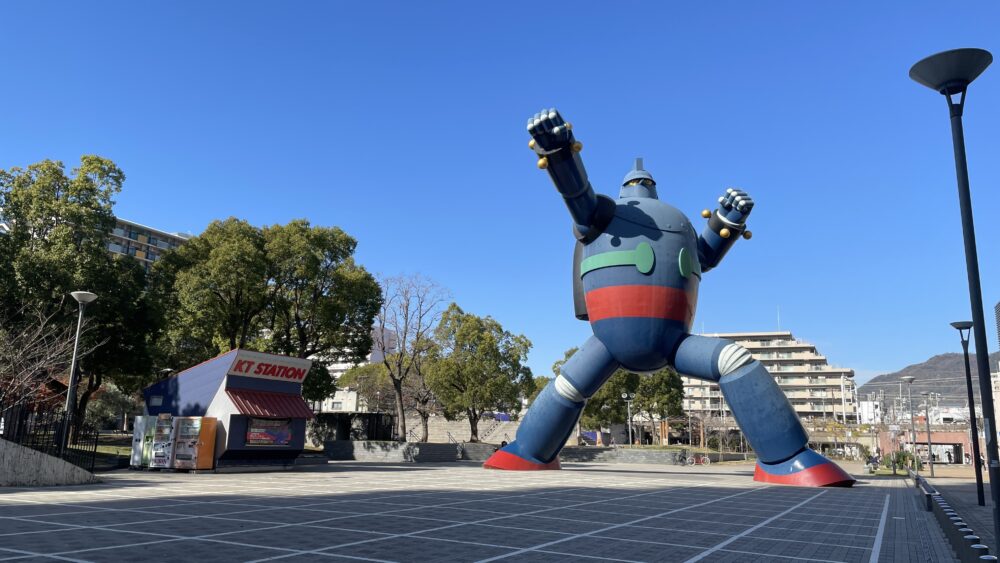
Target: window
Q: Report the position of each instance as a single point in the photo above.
(269, 432)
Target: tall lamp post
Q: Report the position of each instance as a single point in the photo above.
(964, 328)
(83, 298)
(628, 398)
(927, 419)
(950, 74)
(908, 379)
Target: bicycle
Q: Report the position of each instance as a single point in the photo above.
(698, 459)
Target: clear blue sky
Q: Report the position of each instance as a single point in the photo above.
(403, 123)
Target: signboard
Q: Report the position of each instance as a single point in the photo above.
(269, 432)
(269, 366)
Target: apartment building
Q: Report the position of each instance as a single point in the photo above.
(143, 243)
(813, 387)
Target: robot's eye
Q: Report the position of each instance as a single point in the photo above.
(647, 182)
(633, 183)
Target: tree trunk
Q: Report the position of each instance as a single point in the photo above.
(473, 426)
(94, 382)
(424, 419)
(397, 387)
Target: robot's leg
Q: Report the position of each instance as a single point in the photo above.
(762, 412)
(553, 415)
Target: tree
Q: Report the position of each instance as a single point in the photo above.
(660, 393)
(606, 406)
(57, 244)
(410, 309)
(322, 304)
(111, 408)
(287, 289)
(372, 382)
(33, 349)
(221, 285)
(482, 367)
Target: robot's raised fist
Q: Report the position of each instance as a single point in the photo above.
(735, 205)
(549, 132)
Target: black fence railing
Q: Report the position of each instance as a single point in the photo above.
(41, 428)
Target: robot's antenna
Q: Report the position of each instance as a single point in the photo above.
(638, 163)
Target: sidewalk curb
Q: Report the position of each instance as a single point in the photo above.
(963, 540)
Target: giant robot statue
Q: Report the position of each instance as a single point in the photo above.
(636, 270)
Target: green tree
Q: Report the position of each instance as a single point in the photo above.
(322, 304)
(482, 367)
(607, 407)
(57, 244)
(287, 289)
(660, 394)
(222, 290)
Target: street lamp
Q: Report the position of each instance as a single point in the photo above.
(83, 298)
(950, 74)
(908, 379)
(628, 398)
(964, 327)
(927, 420)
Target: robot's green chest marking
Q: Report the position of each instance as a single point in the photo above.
(642, 258)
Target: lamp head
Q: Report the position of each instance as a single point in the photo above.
(908, 379)
(83, 297)
(950, 72)
(962, 325)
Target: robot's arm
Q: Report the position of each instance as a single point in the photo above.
(559, 154)
(725, 225)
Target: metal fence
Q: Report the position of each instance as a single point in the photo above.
(40, 428)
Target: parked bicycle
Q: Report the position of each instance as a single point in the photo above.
(698, 459)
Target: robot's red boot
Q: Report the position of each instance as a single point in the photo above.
(511, 462)
(805, 469)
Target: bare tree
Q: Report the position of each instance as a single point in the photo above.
(34, 348)
(417, 393)
(411, 308)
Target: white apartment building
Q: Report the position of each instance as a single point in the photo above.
(813, 387)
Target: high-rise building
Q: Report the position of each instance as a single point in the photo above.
(143, 243)
(813, 387)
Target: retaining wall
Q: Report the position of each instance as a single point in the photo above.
(635, 455)
(390, 452)
(25, 467)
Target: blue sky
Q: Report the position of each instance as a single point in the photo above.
(403, 123)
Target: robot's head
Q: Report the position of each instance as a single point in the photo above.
(638, 183)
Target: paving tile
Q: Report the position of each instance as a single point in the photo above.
(73, 540)
(179, 551)
(519, 538)
(618, 549)
(418, 550)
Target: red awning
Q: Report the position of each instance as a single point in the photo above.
(269, 405)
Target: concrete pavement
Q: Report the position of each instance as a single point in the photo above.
(459, 512)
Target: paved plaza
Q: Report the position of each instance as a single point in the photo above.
(460, 512)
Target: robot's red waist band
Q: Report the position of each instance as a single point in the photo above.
(650, 301)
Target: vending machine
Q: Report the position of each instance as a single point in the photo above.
(163, 442)
(142, 441)
(194, 442)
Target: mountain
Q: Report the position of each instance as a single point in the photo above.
(944, 374)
